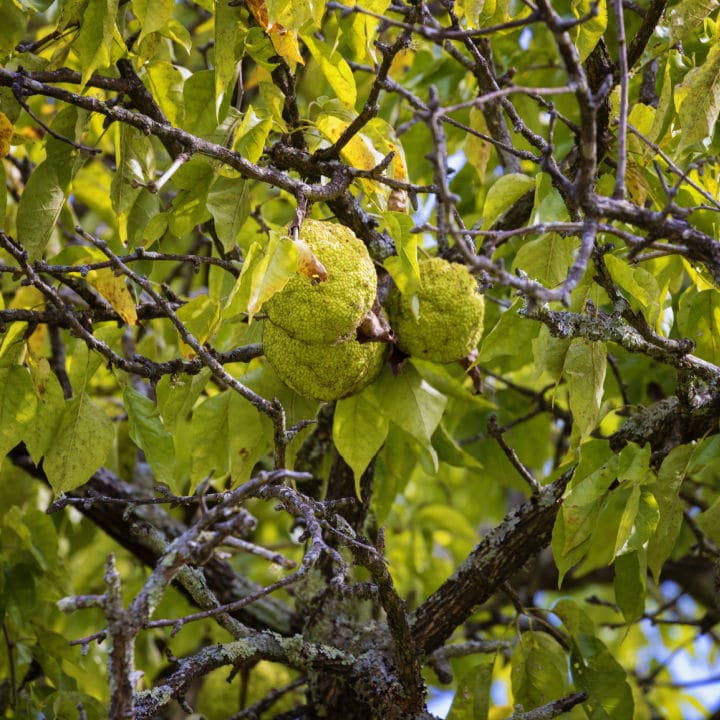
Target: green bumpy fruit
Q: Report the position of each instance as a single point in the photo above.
(451, 313)
(323, 372)
(323, 312)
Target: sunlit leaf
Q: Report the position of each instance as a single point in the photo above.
(40, 205)
(585, 367)
(687, 15)
(335, 69)
(411, 403)
(115, 290)
(672, 473)
(200, 316)
(264, 273)
(588, 33)
(6, 131)
(96, 34)
(503, 193)
(698, 100)
(18, 406)
(359, 431)
(630, 584)
(229, 202)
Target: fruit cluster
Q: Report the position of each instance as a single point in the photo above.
(310, 335)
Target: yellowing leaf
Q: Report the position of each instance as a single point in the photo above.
(336, 71)
(115, 290)
(258, 8)
(263, 274)
(285, 43)
(201, 317)
(478, 150)
(359, 152)
(6, 131)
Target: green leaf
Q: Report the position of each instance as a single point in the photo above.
(578, 514)
(199, 99)
(359, 431)
(229, 27)
(333, 66)
(549, 354)
(393, 470)
(510, 340)
(229, 202)
(18, 406)
(584, 370)
(176, 396)
(546, 259)
(548, 204)
(641, 288)
(251, 438)
(134, 161)
(450, 452)
(403, 267)
(149, 434)
(587, 34)
(411, 403)
(201, 317)
(475, 10)
(698, 318)
(40, 205)
(189, 206)
(477, 150)
(50, 404)
(84, 438)
(13, 27)
(165, 82)
(539, 670)
(264, 273)
(594, 668)
(3, 193)
(630, 584)
(153, 15)
(709, 522)
(35, 532)
(210, 424)
(505, 191)
(672, 472)
(698, 99)
(251, 135)
(299, 15)
(472, 697)
(686, 16)
(96, 34)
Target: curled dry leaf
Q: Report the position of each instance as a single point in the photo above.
(374, 327)
(308, 264)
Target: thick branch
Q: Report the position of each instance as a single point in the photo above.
(502, 552)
